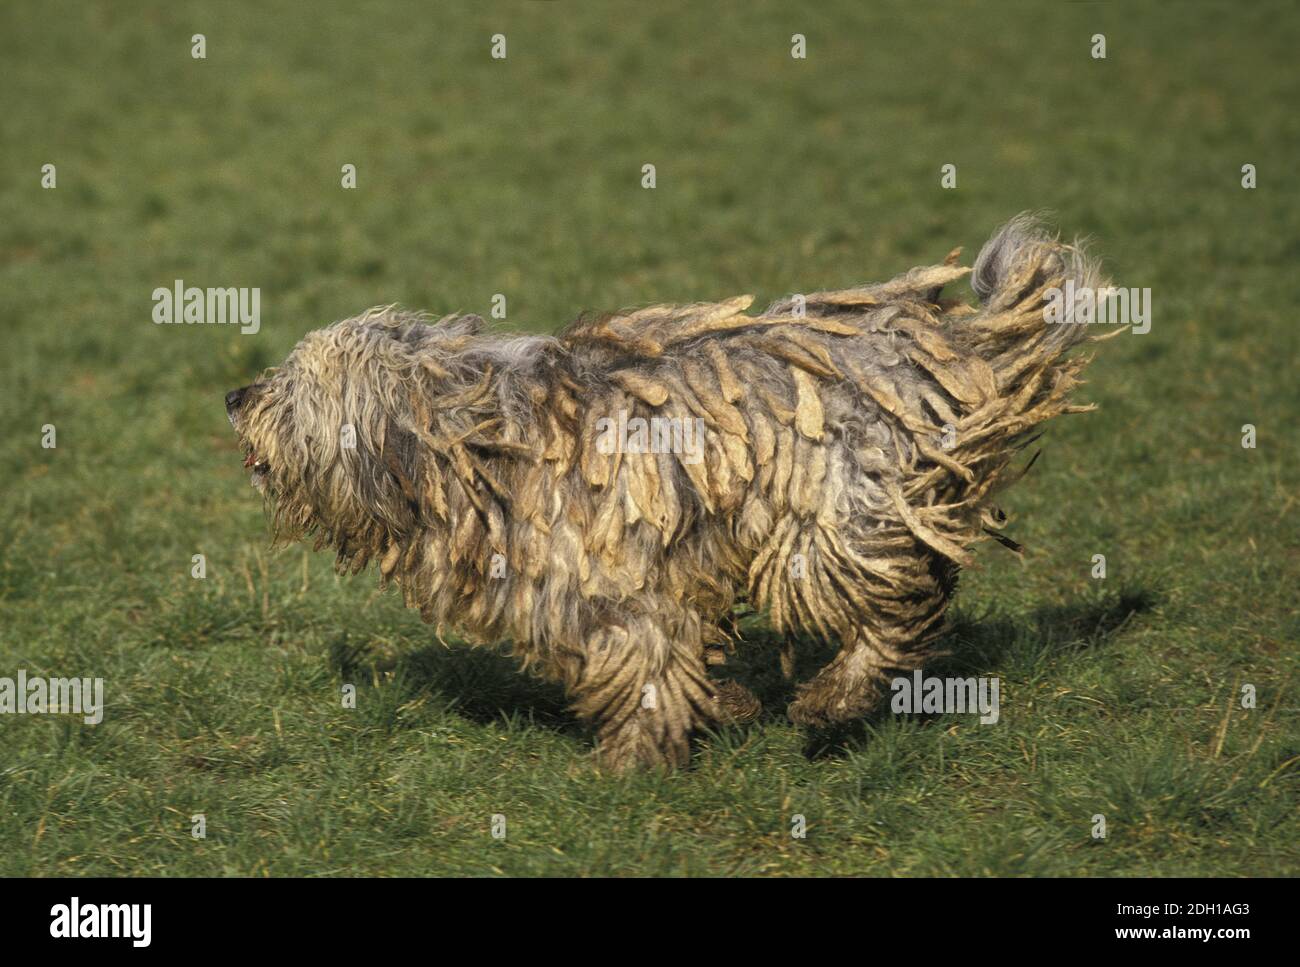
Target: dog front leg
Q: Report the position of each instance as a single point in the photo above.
(645, 693)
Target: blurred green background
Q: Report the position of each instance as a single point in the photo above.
(522, 176)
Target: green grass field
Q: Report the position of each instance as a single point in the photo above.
(522, 176)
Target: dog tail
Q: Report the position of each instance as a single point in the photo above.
(1025, 278)
(1016, 345)
(1009, 367)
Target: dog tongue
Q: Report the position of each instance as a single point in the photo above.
(249, 461)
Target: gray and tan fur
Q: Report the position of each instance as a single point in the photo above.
(830, 494)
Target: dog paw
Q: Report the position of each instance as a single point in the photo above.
(818, 710)
(736, 704)
(807, 713)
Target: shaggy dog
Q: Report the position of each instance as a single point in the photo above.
(604, 497)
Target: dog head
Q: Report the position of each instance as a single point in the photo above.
(329, 436)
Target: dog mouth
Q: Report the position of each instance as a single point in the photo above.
(260, 467)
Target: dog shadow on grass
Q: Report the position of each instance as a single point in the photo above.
(485, 685)
(482, 685)
(986, 645)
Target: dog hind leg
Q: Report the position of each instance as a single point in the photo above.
(845, 689)
(894, 636)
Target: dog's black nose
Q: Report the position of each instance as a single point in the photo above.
(235, 397)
